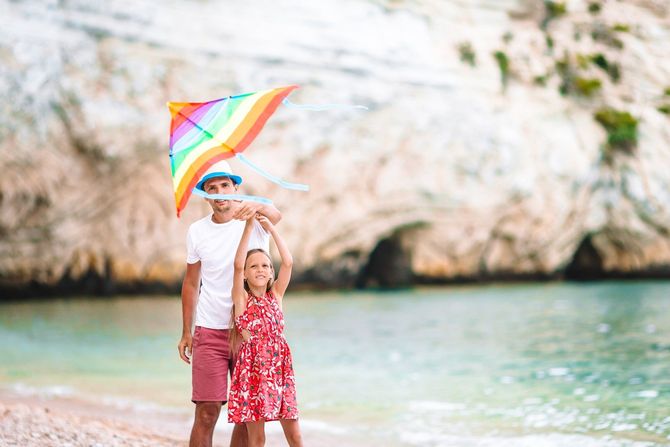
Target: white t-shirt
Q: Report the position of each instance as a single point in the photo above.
(214, 245)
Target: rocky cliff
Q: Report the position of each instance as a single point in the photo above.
(504, 138)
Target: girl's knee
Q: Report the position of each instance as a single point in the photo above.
(256, 439)
(294, 438)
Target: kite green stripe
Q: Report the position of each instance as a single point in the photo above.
(212, 129)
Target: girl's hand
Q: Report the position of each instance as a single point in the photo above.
(265, 222)
(246, 210)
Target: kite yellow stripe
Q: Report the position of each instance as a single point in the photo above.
(250, 119)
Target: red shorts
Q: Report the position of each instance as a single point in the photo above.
(210, 365)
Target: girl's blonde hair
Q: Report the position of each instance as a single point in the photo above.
(234, 335)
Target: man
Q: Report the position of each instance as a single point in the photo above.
(211, 244)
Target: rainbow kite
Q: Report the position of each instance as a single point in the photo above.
(203, 133)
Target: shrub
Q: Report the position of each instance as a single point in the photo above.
(664, 109)
(614, 72)
(586, 86)
(621, 128)
(621, 27)
(570, 82)
(467, 53)
(550, 42)
(595, 7)
(503, 65)
(583, 61)
(601, 33)
(566, 73)
(600, 60)
(612, 69)
(552, 10)
(541, 80)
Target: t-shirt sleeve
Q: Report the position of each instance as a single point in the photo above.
(191, 250)
(259, 238)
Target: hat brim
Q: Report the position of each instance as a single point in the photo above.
(235, 178)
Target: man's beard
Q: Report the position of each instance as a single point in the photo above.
(222, 207)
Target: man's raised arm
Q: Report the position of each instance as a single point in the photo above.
(247, 210)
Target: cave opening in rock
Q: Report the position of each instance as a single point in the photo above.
(389, 266)
(586, 263)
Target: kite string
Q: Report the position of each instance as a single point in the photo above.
(272, 178)
(320, 107)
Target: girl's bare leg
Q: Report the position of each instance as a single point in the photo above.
(256, 432)
(292, 432)
(239, 438)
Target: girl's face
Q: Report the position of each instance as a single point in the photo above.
(258, 270)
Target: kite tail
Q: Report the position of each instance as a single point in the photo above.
(272, 178)
(232, 197)
(320, 107)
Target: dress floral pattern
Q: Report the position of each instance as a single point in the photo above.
(263, 385)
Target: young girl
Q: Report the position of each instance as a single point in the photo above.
(263, 385)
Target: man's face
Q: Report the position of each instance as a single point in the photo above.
(220, 185)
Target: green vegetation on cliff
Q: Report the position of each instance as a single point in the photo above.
(467, 53)
(503, 65)
(621, 128)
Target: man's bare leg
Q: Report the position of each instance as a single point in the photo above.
(256, 432)
(292, 432)
(206, 415)
(239, 437)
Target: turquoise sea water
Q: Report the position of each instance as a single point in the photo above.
(543, 364)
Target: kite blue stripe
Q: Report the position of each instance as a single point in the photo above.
(244, 197)
(272, 178)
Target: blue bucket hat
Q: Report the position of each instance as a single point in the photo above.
(218, 169)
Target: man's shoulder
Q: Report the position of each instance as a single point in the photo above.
(200, 223)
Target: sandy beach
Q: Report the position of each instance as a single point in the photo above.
(57, 421)
(65, 421)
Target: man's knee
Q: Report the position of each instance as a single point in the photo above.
(206, 414)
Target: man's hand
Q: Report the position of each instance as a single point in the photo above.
(247, 210)
(186, 347)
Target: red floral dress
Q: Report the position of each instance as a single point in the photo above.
(263, 385)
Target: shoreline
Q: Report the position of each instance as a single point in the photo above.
(61, 422)
(37, 292)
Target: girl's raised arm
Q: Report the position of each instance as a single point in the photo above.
(239, 295)
(284, 276)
